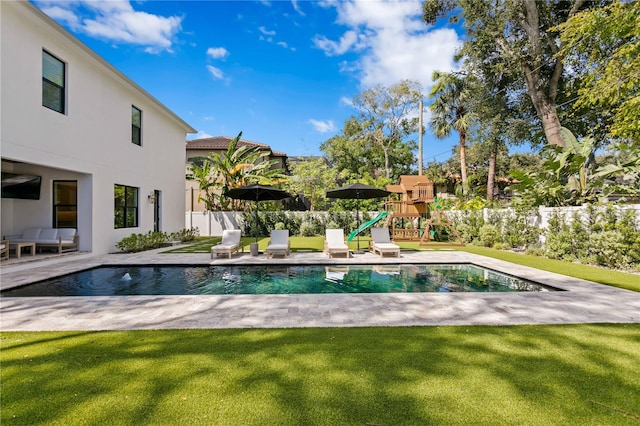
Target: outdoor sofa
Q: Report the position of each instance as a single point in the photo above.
(62, 239)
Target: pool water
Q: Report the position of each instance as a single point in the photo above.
(270, 279)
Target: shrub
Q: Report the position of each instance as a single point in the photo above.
(489, 235)
(608, 249)
(152, 240)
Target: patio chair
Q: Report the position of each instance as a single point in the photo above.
(334, 243)
(4, 249)
(381, 242)
(230, 243)
(279, 243)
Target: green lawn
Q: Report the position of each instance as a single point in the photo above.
(525, 375)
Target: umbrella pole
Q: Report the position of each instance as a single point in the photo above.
(358, 222)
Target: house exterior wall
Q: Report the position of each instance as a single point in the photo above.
(90, 142)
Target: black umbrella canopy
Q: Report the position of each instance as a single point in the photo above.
(357, 191)
(257, 193)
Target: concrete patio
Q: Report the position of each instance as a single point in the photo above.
(582, 302)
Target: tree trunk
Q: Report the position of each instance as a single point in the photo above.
(549, 118)
(491, 178)
(463, 161)
(386, 163)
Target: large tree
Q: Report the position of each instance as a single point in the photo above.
(354, 155)
(603, 47)
(388, 115)
(515, 38)
(312, 178)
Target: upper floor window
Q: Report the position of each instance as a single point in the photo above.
(53, 80)
(125, 206)
(136, 126)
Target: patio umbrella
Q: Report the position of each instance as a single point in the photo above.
(257, 193)
(357, 191)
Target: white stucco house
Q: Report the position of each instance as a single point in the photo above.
(95, 151)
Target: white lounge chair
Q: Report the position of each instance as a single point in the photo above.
(230, 243)
(334, 243)
(279, 243)
(381, 242)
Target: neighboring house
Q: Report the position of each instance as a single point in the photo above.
(104, 155)
(218, 145)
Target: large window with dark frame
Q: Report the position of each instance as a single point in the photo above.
(65, 204)
(125, 206)
(136, 126)
(53, 82)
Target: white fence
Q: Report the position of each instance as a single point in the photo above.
(213, 223)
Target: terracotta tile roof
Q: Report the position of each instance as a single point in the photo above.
(221, 143)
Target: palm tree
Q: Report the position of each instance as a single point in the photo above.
(450, 112)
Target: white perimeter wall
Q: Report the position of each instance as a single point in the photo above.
(91, 142)
(213, 223)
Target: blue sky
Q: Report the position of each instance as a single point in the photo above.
(282, 72)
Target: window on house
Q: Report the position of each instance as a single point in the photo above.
(65, 204)
(53, 80)
(125, 206)
(136, 126)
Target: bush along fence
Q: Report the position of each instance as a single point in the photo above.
(604, 235)
(152, 240)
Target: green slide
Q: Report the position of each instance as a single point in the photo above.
(367, 225)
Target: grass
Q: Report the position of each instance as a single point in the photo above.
(536, 375)
(605, 276)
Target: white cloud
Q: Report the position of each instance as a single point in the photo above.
(200, 135)
(116, 21)
(333, 48)
(346, 101)
(217, 52)
(392, 41)
(266, 32)
(296, 7)
(323, 126)
(215, 72)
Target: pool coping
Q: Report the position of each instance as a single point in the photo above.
(583, 302)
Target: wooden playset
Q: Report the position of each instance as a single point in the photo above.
(416, 197)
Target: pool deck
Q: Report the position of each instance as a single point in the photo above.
(583, 302)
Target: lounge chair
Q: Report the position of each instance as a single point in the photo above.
(381, 242)
(334, 243)
(279, 243)
(230, 243)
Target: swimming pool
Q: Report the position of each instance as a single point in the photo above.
(277, 279)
